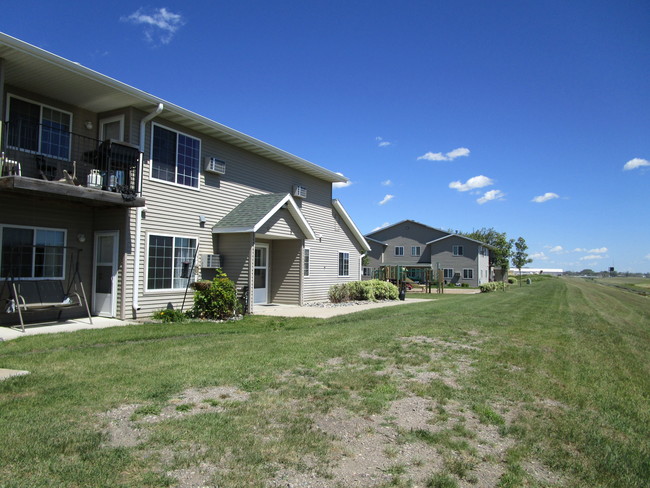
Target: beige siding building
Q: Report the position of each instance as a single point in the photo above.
(142, 197)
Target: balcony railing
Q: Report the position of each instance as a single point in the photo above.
(46, 152)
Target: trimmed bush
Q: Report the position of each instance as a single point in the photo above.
(371, 290)
(217, 301)
(168, 315)
(493, 286)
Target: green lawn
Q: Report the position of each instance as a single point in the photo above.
(543, 385)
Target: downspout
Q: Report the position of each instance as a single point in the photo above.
(361, 265)
(139, 212)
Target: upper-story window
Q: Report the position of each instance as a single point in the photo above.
(175, 157)
(458, 250)
(38, 128)
(415, 250)
(399, 250)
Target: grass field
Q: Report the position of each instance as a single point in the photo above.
(543, 385)
(638, 285)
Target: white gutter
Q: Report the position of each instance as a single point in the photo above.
(139, 212)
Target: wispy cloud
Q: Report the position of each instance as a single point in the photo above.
(545, 197)
(647, 256)
(600, 250)
(591, 257)
(450, 156)
(472, 184)
(381, 142)
(386, 199)
(387, 183)
(385, 224)
(539, 256)
(341, 184)
(491, 195)
(635, 163)
(556, 249)
(160, 24)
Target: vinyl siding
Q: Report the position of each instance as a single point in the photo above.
(442, 253)
(284, 272)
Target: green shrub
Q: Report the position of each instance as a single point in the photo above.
(512, 280)
(493, 286)
(169, 315)
(217, 301)
(464, 285)
(363, 290)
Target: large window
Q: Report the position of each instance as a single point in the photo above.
(170, 262)
(344, 264)
(399, 250)
(458, 250)
(468, 274)
(29, 252)
(175, 157)
(39, 129)
(415, 251)
(305, 264)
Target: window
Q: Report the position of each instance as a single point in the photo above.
(468, 274)
(175, 157)
(367, 271)
(344, 264)
(415, 250)
(39, 129)
(29, 252)
(448, 273)
(458, 250)
(305, 265)
(170, 262)
(399, 250)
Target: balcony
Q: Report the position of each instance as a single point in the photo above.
(41, 158)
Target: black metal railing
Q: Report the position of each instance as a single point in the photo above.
(47, 152)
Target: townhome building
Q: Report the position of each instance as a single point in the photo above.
(107, 186)
(418, 247)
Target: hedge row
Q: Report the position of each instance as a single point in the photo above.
(363, 290)
(493, 286)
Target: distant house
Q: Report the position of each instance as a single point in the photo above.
(149, 196)
(418, 247)
(546, 271)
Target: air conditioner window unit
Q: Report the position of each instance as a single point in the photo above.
(211, 261)
(299, 191)
(214, 165)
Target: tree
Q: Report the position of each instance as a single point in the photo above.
(520, 256)
(501, 246)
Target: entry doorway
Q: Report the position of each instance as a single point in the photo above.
(261, 274)
(105, 273)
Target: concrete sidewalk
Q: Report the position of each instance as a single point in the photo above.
(326, 311)
(7, 333)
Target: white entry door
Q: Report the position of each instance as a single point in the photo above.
(261, 278)
(105, 273)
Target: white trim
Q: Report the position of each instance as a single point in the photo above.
(174, 183)
(457, 250)
(419, 248)
(470, 270)
(148, 234)
(306, 250)
(295, 213)
(447, 277)
(267, 269)
(114, 280)
(338, 264)
(110, 120)
(65, 244)
(461, 237)
(401, 253)
(348, 221)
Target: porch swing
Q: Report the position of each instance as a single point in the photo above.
(27, 294)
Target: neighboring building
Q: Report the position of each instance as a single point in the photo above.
(530, 271)
(418, 247)
(157, 185)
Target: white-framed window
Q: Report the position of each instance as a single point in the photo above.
(169, 261)
(344, 264)
(38, 128)
(305, 264)
(175, 157)
(468, 274)
(112, 128)
(448, 273)
(415, 250)
(399, 250)
(458, 250)
(33, 252)
(367, 271)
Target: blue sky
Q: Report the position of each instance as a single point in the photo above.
(529, 117)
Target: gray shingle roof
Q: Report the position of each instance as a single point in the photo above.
(249, 212)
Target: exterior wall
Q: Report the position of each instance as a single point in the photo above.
(442, 253)
(285, 269)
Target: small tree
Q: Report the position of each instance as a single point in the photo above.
(520, 256)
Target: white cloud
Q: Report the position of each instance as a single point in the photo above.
(556, 249)
(580, 249)
(381, 142)
(386, 199)
(591, 257)
(471, 184)
(545, 197)
(539, 256)
(600, 250)
(647, 256)
(491, 195)
(450, 156)
(385, 224)
(160, 24)
(386, 183)
(341, 184)
(635, 163)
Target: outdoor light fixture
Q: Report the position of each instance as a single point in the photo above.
(89, 124)
(81, 238)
